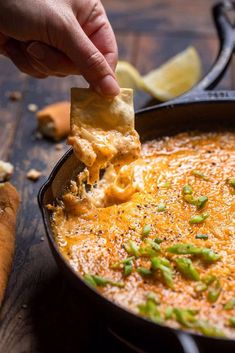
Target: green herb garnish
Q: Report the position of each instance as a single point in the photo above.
(189, 249)
(161, 207)
(98, 281)
(149, 249)
(209, 279)
(127, 269)
(158, 240)
(119, 264)
(169, 313)
(187, 190)
(199, 174)
(231, 182)
(230, 304)
(132, 248)
(201, 201)
(163, 265)
(143, 271)
(185, 317)
(214, 293)
(146, 230)
(186, 268)
(200, 287)
(201, 236)
(198, 218)
(209, 330)
(150, 310)
(232, 321)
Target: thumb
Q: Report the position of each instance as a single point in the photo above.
(90, 62)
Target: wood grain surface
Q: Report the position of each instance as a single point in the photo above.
(41, 312)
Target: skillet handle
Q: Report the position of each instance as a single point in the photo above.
(226, 33)
(188, 344)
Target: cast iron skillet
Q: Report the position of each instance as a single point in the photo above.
(197, 110)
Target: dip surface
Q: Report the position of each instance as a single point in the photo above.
(172, 174)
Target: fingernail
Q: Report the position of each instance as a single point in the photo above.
(36, 50)
(107, 86)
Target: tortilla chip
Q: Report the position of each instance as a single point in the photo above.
(102, 130)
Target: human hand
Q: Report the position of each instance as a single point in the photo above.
(60, 37)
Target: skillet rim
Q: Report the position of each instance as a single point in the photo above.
(207, 97)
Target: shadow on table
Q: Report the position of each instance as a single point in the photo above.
(65, 323)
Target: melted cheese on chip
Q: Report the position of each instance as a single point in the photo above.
(102, 130)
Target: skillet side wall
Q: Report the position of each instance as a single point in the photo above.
(150, 123)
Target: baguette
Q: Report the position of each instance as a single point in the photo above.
(9, 202)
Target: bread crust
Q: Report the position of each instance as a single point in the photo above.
(9, 202)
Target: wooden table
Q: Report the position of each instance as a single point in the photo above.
(41, 312)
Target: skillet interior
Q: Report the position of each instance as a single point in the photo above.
(150, 123)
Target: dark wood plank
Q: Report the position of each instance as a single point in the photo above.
(10, 80)
(160, 16)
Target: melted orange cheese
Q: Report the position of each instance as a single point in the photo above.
(93, 242)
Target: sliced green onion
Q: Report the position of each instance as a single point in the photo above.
(166, 185)
(199, 174)
(198, 218)
(118, 264)
(209, 330)
(200, 287)
(186, 268)
(230, 304)
(214, 293)
(149, 309)
(158, 240)
(89, 280)
(149, 249)
(169, 313)
(127, 269)
(209, 279)
(163, 265)
(146, 230)
(209, 255)
(184, 249)
(99, 281)
(161, 207)
(143, 271)
(201, 202)
(132, 248)
(232, 321)
(201, 236)
(187, 190)
(185, 317)
(231, 182)
(206, 254)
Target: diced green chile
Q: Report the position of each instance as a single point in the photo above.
(186, 268)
